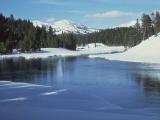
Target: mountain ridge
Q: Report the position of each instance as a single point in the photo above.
(66, 26)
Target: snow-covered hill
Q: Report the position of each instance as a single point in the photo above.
(66, 26)
(147, 51)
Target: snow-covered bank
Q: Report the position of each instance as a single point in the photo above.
(147, 51)
(50, 52)
(44, 53)
(99, 48)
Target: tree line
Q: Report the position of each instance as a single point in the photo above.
(24, 36)
(125, 36)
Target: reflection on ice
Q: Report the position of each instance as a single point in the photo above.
(148, 79)
(49, 93)
(54, 92)
(60, 69)
(10, 84)
(14, 99)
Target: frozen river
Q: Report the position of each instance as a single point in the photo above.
(78, 88)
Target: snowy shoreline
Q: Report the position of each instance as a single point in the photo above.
(89, 49)
(146, 52)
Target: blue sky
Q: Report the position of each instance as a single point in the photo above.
(93, 13)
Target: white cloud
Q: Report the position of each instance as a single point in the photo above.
(128, 24)
(111, 15)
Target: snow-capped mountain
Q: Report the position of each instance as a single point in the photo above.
(65, 26)
(39, 23)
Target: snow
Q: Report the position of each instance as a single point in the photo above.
(65, 26)
(44, 53)
(51, 52)
(68, 26)
(97, 48)
(147, 52)
(39, 23)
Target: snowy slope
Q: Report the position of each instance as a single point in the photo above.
(39, 23)
(147, 51)
(66, 26)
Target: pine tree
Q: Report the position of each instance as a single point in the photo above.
(146, 26)
(157, 23)
(50, 37)
(37, 40)
(43, 37)
(2, 47)
(138, 32)
(9, 43)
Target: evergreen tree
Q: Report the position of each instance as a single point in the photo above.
(37, 40)
(50, 37)
(9, 43)
(22, 35)
(24, 46)
(71, 42)
(138, 32)
(146, 26)
(157, 23)
(2, 47)
(43, 37)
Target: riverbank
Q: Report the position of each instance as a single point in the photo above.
(146, 52)
(50, 52)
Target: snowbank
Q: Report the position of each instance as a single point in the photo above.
(50, 52)
(99, 48)
(147, 51)
(44, 53)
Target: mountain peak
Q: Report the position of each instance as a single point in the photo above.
(39, 23)
(66, 26)
(63, 22)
